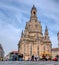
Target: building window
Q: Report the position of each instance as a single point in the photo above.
(44, 49)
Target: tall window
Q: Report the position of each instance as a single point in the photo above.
(31, 49)
(44, 48)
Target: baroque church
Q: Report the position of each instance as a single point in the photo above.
(32, 41)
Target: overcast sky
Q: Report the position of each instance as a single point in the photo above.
(15, 13)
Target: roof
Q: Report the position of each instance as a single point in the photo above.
(0, 46)
(55, 49)
(34, 7)
(57, 33)
(14, 52)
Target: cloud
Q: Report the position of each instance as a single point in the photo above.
(9, 37)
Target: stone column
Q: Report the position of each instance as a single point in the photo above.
(38, 49)
(24, 48)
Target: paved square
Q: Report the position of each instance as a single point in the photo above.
(29, 62)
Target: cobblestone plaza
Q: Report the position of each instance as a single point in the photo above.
(29, 63)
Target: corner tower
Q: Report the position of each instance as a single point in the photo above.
(46, 34)
(47, 43)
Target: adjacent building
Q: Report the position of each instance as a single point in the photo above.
(58, 42)
(32, 41)
(58, 39)
(12, 56)
(55, 51)
(1, 52)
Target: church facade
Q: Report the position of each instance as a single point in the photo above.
(32, 41)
